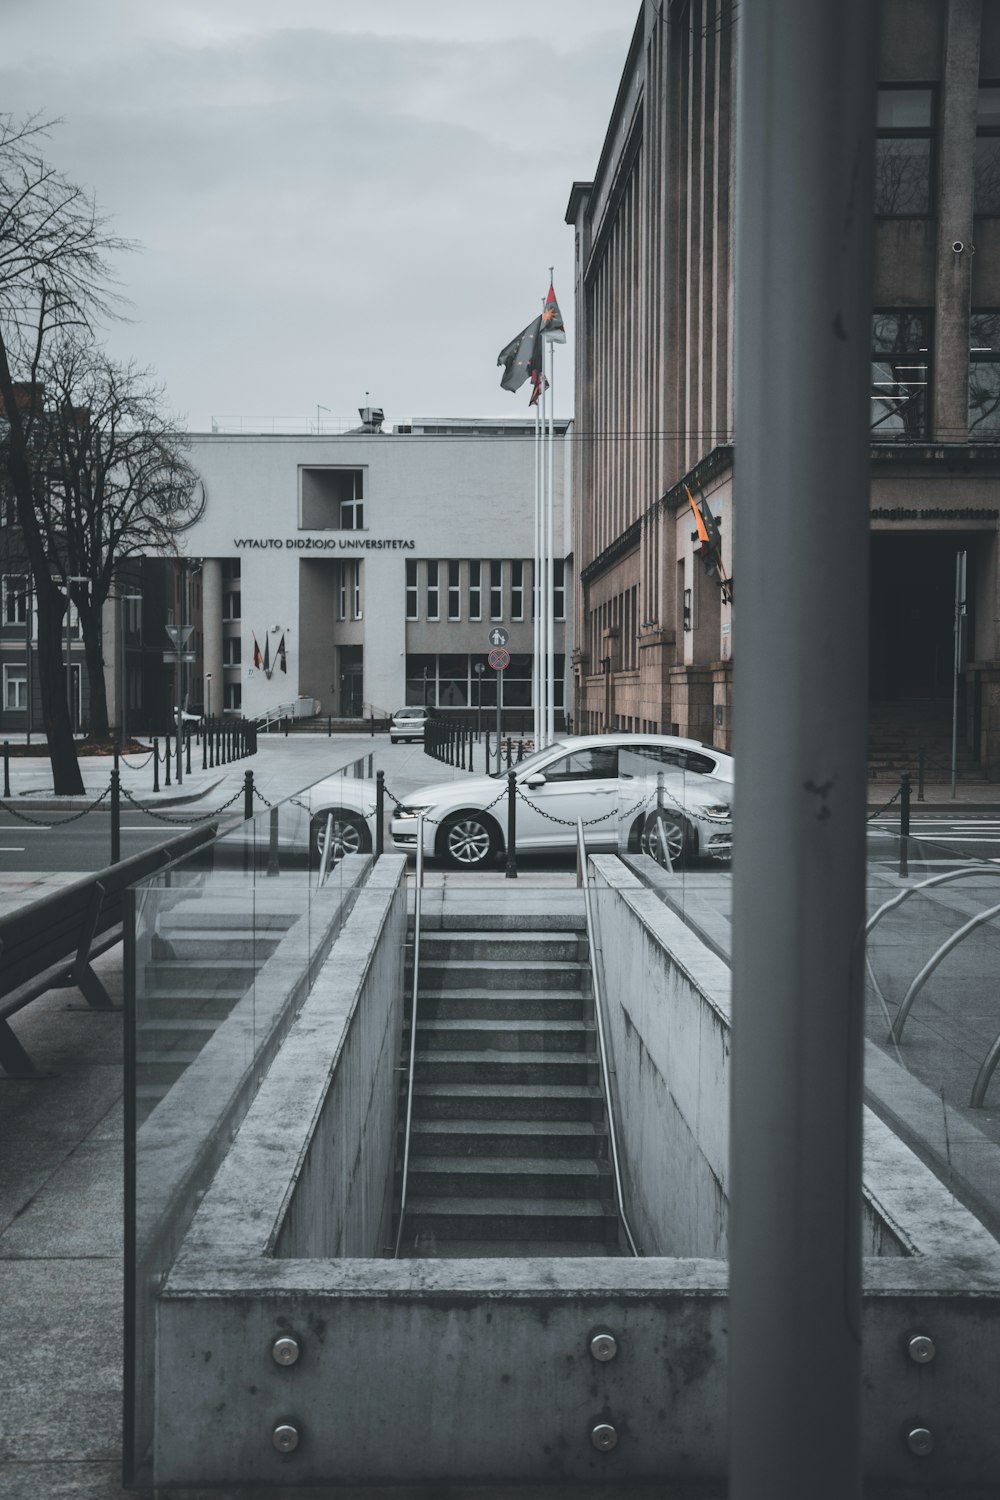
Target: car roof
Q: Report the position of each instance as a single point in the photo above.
(626, 737)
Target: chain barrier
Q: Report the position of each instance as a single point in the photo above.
(142, 764)
(73, 817)
(261, 798)
(885, 807)
(564, 822)
(189, 818)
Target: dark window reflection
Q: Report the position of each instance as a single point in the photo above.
(987, 158)
(903, 152)
(984, 375)
(900, 375)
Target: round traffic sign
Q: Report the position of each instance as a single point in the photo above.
(499, 636)
(499, 659)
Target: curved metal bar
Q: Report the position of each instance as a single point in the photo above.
(419, 884)
(581, 849)
(984, 1075)
(896, 1029)
(922, 885)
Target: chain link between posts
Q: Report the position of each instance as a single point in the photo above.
(885, 806)
(185, 819)
(73, 817)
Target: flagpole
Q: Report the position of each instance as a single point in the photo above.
(536, 595)
(550, 661)
(543, 608)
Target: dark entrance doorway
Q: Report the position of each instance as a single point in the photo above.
(912, 619)
(352, 675)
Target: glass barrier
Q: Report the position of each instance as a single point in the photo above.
(224, 949)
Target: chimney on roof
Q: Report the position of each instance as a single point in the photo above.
(372, 418)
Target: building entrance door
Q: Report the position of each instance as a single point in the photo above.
(352, 698)
(912, 621)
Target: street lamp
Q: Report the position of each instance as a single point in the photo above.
(208, 695)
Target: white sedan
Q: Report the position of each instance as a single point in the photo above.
(610, 781)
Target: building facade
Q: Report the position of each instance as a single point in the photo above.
(350, 574)
(655, 633)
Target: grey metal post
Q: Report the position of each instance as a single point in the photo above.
(803, 299)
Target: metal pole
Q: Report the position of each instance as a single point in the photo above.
(6, 768)
(550, 624)
(29, 701)
(499, 720)
(904, 825)
(959, 612)
(511, 870)
(116, 811)
(805, 133)
(156, 765)
(379, 812)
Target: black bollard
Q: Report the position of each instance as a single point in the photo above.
(204, 749)
(520, 750)
(329, 725)
(248, 794)
(904, 825)
(187, 758)
(116, 811)
(471, 733)
(921, 757)
(166, 761)
(510, 758)
(156, 765)
(379, 812)
(511, 870)
(6, 768)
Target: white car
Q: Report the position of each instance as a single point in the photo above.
(409, 723)
(607, 780)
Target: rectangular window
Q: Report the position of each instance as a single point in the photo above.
(356, 565)
(15, 686)
(900, 377)
(986, 168)
(230, 569)
(231, 605)
(411, 589)
(342, 591)
(331, 499)
(517, 590)
(421, 678)
(232, 696)
(232, 651)
(475, 591)
(903, 152)
(559, 588)
(984, 375)
(15, 598)
(433, 606)
(454, 591)
(496, 590)
(453, 681)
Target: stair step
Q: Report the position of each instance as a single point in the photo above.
(496, 974)
(505, 1177)
(479, 946)
(510, 1101)
(503, 1035)
(214, 943)
(500, 1138)
(515, 1218)
(432, 1248)
(164, 1067)
(496, 1065)
(526, 1004)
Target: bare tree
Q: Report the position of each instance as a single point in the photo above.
(54, 276)
(118, 484)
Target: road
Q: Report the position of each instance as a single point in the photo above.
(939, 843)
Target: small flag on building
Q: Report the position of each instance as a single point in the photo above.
(517, 356)
(256, 650)
(267, 657)
(553, 326)
(281, 654)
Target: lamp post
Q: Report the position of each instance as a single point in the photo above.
(479, 670)
(208, 695)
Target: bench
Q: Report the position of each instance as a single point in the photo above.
(49, 944)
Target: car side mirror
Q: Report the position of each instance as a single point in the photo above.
(536, 779)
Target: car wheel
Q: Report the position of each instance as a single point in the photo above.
(349, 835)
(677, 835)
(394, 738)
(469, 841)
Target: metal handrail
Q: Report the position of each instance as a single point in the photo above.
(581, 854)
(896, 1030)
(413, 1032)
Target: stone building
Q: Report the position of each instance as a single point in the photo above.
(655, 634)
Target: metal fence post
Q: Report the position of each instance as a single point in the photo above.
(247, 795)
(156, 765)
(904, 824)
(379, 812)
(116, 810)
(511, 870)
(6, 768)
(187, 758)
(204, 750)
(166, 761)
(921, 758)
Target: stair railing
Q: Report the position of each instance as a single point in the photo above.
(602, 1050)
(418, 891)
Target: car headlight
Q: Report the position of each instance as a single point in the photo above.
(718, 810)
(410, 811)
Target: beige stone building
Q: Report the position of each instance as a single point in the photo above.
(656, 636)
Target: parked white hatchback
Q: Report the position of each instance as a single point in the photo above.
(609, 781)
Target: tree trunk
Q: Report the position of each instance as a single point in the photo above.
(91, 626)
(66, 778)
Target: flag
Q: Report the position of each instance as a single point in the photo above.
(267, 656)
(553, 326)
(709, 541)
(256, 650)
(281, 654)
(518, 355)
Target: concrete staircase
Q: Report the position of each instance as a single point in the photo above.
(509, 1147)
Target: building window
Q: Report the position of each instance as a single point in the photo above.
(421, 678)
(230, 569)
(411, 589)
(903, 152)
(496, 591)
(900, 375)
(331, 499)
(232, 605)
(232, 651)
(987, 160)
(356, 588)
(475, 591)
(517, 590)
(15, 686)
(232, 696)
(559, 588)
(349, 590)
(433, 606)
(15, 598)
(454, 591)
(984, 375)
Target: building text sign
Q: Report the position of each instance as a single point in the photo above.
(324, 543)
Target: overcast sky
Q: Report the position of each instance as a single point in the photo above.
(330, 198)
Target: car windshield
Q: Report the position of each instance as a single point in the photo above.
(410, 713)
